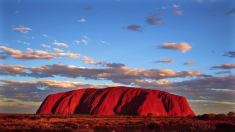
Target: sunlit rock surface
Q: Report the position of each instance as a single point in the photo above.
(116, 100)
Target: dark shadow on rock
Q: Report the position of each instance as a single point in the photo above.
(132, 107)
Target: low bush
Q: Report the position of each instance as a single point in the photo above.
(154, 126)
(207, 116)
(231, 114)
(150, 114)
(102, 128)
(47, 117)
(200, 127)
(226, 127)
(182, 127)
(35, 118)
(220, 116)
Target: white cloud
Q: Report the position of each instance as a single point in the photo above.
(45, 36)
(18, 41)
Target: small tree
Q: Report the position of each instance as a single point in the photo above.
(231, 114)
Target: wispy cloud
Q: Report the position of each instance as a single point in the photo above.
(175, 6)
(178, 12)
(46, 46)
(53, 84)
(189, 63)
(225, 82)
(27, 43)
(230, 54)
(84, 41)
(175, 46)
(22, 29)
(89, 60)
(123, 27)
(18, 41)
(9, 101)
(3, 57)
(38, 54)
(60, 44)
(45, 36)
(115, 72)
(224, 72)
(82, 20)
(14, 90)
(153, 21)
(134, 27)
(224, 66)
(102, 41)
(76, 41)
(58, 50)
(86, 37)
(88, 8)
(164, 61)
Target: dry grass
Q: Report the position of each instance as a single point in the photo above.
(111, 123)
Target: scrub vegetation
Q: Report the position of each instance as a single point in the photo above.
(117, 123)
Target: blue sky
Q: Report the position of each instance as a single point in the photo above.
(148, 44)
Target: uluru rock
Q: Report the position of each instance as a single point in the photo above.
(116, 100)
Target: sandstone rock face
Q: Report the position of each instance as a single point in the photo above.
(116, 100)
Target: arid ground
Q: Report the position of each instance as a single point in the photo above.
(115, 123)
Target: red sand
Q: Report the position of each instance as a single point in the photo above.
(116, 100)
